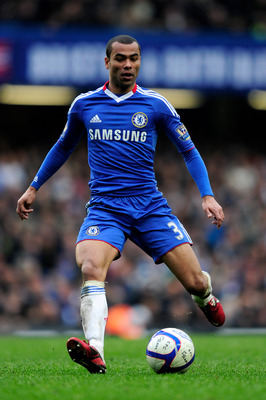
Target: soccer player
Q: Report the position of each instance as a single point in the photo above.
(122, 122)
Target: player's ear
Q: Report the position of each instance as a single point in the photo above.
(107, 62)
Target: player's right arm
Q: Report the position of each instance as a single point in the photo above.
(55, 158)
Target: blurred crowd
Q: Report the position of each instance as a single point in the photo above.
(174, 15)
(40, 281)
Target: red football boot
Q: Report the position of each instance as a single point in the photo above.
(213, 311)
(86, 355)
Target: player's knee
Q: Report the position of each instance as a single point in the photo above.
(92, 271)
(90, 267)
(94, 259)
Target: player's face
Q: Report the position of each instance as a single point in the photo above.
(123, 65)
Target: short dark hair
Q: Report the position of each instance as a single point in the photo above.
(125, 39)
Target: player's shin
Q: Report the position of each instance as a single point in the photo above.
(94, 313)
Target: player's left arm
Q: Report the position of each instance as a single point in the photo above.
(213, 210)
(199, 173)
(170, 122)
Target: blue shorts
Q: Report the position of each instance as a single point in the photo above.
(145, 220)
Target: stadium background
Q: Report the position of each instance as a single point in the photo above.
(39, 280)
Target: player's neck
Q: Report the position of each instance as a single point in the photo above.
(120, 90)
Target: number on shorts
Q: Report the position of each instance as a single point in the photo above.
(180, 235)
(173, 226)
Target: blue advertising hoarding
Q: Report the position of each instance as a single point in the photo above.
(76, 58)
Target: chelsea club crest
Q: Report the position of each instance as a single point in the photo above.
(139, 120)
(93, 231)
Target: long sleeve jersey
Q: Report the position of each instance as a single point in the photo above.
(122, 133)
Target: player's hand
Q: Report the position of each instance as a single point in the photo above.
(213, 210)
(24, 203)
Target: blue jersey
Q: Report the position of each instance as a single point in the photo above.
(122, 132)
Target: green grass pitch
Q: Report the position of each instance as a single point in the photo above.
(225, 368)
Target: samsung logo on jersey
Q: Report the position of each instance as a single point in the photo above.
(124, 135)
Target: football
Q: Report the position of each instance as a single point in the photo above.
(170, 350)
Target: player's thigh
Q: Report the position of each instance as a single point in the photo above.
(94, 258)
(99, 242)
(100, 239)
(184, 264)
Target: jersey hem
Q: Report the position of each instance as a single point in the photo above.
(132, 193)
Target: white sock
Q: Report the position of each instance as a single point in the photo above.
(94, 313)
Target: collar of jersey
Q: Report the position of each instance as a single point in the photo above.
(118, 99)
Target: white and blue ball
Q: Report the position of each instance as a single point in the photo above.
(170, 350)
